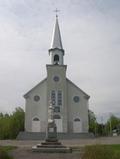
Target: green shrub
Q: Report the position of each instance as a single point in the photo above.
(4, 154)
(99, 152)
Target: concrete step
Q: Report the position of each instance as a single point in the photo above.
(50, 143)
(51, 150)
(42, 136)
(50, 146)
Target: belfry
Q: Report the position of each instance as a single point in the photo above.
(56, 51)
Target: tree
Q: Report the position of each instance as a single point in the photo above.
(11, 125)
(17, 121)
(1, 115)
(112, 123)
(92, 122)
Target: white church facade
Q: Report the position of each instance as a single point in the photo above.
(69, 101)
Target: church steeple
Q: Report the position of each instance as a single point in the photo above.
(56, 38)
(56, 51)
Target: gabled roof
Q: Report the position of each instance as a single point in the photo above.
(86, 95)
(25, 96)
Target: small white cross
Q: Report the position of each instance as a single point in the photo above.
(56, 10)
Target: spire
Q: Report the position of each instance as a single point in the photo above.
(56, 38)
(56, 50)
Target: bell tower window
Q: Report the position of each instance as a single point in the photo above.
(56, 59)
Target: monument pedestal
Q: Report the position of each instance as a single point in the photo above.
(51, 146)
(51, 143)
(51, 134)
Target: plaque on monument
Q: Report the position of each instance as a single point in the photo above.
(51, 130)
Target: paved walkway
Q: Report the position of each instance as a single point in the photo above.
(24, 147)
(73, 142)
(21, 153)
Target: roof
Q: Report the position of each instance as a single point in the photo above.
(25, 96)
(86, 95)
(56, 38)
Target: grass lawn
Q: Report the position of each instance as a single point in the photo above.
(89, 152)
(8, 148)
(115, 148)
(102, 152)
(4, 152)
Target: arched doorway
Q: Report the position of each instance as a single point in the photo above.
(58, 122)
(77, 125)
(35, 124)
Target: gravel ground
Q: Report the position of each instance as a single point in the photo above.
(24, 147)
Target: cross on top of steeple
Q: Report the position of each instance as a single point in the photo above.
(56, 11)
(56, 37)
(56, 50)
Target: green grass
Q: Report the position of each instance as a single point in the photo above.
(115, 149)
(8, 148)
(102, 152)
(4, 152)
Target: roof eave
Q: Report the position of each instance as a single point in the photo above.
(86, 95)
(27, 94)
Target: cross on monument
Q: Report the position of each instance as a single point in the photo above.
(56, 10)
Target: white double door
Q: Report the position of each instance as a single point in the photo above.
(59, 126)
(36, 127)
(77, 126)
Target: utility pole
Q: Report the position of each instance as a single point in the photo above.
(102, 124)
(110, 125)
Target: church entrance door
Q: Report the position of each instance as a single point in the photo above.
(77, 125)
(36, 125)
(58, 123)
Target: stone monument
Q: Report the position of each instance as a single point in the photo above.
(51, 143)
(51, 133)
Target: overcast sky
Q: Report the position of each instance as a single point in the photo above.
(91, 38)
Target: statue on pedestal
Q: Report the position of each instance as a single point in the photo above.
(51, 143)
(51, 133)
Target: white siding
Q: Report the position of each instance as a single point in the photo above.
(34, 108)
(79, 109)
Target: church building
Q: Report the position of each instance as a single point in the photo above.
(69, 101)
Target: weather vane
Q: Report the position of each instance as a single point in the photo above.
(56, 11)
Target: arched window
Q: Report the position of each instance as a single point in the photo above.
(56, 59)
(56, 116)
(35, 119)
(76, 119)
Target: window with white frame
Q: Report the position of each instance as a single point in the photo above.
(56, 109)
(56, 98)
(53, 97)
(59, 95)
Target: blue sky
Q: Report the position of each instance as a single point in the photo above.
(91, 39)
